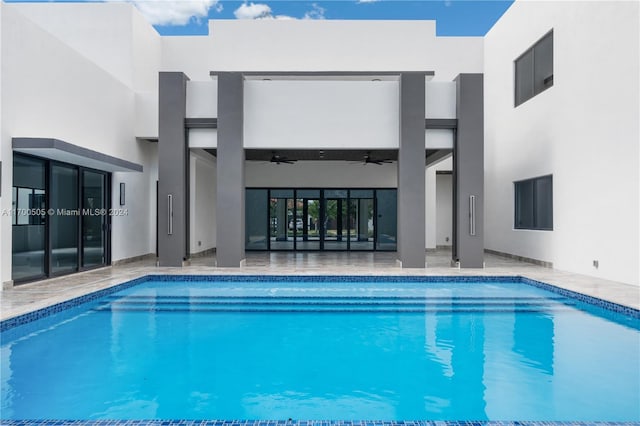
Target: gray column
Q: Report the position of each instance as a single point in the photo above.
(173, 169)
(230, 171)
(468, 173)
(411, 171)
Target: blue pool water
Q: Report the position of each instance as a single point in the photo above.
(325, 350)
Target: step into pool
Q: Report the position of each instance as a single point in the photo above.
(324, 348)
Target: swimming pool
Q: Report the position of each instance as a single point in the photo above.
(385, 348)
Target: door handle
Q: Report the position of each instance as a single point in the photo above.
(170, 214)
(472, 215)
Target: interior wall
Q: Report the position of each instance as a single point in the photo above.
(444, 210)
(202, 203)
(438, 205)
(430, 208)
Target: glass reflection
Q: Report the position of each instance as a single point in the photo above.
(29, 218)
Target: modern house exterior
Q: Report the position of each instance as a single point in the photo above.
(118, 143)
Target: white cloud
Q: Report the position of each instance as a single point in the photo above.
(258, 11)
(263, 11)
(175, 12)
(253, 11)
(367, 1)
(316, 12)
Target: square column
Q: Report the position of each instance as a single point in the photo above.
(468, 173)
(173, 170)
(230, 215)
(411, 171)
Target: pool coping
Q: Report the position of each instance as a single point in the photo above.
(37, 314)
(308, 423)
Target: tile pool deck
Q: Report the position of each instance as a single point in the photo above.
(29, 297)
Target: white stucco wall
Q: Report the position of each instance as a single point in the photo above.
(321, 174)
(321, 114)
(583, 130)
(139, 212)
(5, 183)
(101, 34)
(335, 45)
(202, 202)
(56, 92)
(322, 45)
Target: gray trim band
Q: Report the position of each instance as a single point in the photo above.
(434, 157)
(321, 73)
(201, 123)
(440, 123)
(27, 145)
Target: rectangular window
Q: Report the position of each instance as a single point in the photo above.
(534, 70)
(534, 203)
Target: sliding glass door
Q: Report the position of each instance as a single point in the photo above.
(64, 221)
(320, 219)
(307, 227)
(281, 219)
(60, 218)
(335, 223)
(29, 218)
(361, 219)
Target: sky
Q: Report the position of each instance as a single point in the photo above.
(189, 17)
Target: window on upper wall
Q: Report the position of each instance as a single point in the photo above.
(534, 70)
(534, 203)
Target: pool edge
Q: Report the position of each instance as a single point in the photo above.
(42, 312)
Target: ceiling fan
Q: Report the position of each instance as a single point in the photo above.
(380, 161)
(279, 159)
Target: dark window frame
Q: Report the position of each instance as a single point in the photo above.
(539, 83)
(535, 221)
(323, 199)
(107, 226)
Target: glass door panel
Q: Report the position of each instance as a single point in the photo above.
(64, 221)
(281, 220)
(361, 220)
(386, 221)
(335, 225)
(307, 228)
(256, 223)
(94, 219)
(29, 218)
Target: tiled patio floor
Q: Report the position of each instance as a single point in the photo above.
(29, 297)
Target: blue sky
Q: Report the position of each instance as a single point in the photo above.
(454, 17)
